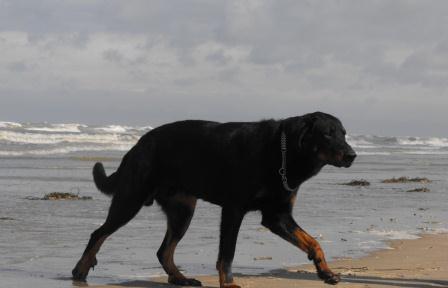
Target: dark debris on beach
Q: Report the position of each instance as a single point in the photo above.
(358, 183)
(6, 219)
(423, 189)
(403, 179)
(60, 196)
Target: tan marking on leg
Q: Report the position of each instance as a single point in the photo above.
(223, 281)
(174, 275)
(309, 245)
(168, 254)
(88, 260)
(220, 273)
(312, 247)
(168, 262)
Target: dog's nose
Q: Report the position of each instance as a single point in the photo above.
(350, 156)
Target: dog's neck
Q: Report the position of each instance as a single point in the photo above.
(303, 162)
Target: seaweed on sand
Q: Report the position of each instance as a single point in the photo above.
(403, 179)
(60, 196)
(358, 183)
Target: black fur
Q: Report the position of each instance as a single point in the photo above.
(103, 183)
(233, 165)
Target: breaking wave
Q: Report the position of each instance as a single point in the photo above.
(17, 139)
(22, 139)
(385, 145)
(56, 138)
(370, 141)
(64, 150)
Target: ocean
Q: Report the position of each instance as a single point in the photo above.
(41, 241)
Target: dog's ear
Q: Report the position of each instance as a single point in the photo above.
(299, 130)
(306, 130)
(303, 131)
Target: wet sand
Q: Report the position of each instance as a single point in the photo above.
(416, 263)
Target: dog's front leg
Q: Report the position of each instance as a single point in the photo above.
(285, 226)
(230, 225)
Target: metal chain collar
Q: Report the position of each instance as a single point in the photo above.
(282, 170)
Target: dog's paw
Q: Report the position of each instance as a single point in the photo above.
(81, 270)
(79, 274)
(184, 281)
(329, 277)
(230, 285)
(333, 280)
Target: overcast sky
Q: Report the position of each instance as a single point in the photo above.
(380, 66)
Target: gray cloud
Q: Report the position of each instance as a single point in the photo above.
(371, 63)
(218, 57)
(17, 66)
(113, 56)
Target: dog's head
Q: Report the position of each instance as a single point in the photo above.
(324, 136)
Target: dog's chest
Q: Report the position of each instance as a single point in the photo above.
(261, 193)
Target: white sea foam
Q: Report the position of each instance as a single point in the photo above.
(366, 141)
(38, 138)
(69, 128)
(122, 129)
(359, 142)
(65, 150)
(394, 234)
(438, 231)
(371, 244)
(48, 139)
(372, 153)
(419, 141)
(114, 129)
(426, 152)
(6, 124)
(144, 128)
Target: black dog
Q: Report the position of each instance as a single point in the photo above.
(240, 166)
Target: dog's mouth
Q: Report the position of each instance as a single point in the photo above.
(348, 158)
(340, 159)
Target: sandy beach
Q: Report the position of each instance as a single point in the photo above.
(416, 263)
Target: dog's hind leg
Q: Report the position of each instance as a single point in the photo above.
(179, 210)
(123, 208)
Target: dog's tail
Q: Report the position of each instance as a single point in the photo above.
(105, 184)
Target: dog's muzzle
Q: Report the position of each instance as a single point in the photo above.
(348, 158)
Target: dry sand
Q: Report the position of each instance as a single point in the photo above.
(417, 263)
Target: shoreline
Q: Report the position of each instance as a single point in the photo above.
(418, 263)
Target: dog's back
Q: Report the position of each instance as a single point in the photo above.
(206, 159)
